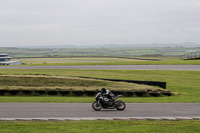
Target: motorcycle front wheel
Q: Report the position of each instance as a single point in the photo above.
(96, 106)
(120, 105)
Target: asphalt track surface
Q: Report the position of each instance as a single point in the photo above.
(112, 67)
(77, 110)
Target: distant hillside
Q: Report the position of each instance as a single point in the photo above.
(114, 51)
(186, 44)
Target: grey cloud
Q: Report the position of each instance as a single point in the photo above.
(92, 22)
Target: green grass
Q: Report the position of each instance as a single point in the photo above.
(185, 82)
(101, 127)
(46, 99)
(60, 99)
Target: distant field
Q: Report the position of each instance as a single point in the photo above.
(112, 51)
(106, 61)
(73, 61)
(185, 82)
(100, 56)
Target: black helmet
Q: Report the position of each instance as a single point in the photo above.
(103, 90)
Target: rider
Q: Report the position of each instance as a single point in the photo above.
(107, 93)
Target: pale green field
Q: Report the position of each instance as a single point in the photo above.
(105, 61)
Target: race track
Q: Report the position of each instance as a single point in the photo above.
(81, 110)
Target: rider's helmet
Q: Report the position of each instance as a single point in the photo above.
(103, 90)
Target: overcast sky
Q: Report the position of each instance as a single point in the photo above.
(98, 22)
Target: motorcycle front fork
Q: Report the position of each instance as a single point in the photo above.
(98, 103)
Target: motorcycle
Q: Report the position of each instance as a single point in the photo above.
(105, 103)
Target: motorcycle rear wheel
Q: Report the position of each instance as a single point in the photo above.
(120, 105)
(96, 107)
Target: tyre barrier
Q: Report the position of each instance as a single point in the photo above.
(80, 93)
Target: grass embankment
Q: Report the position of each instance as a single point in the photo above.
(105, 61)
(32, 85)
(185, 82)
(14, 82)
(99, 126)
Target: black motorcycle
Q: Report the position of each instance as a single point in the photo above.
(106, 103)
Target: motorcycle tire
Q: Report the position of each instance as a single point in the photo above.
(121, 105)
(95, 107)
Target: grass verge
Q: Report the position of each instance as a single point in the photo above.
(59, 99)
(101, 127)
